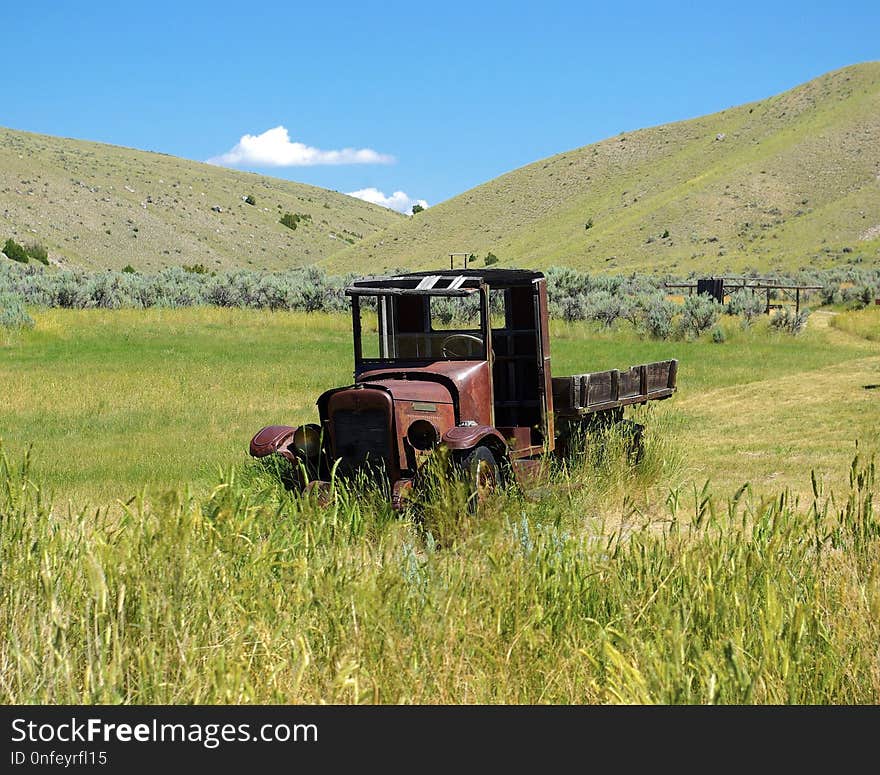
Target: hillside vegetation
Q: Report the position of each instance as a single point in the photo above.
(102, 206)
(789, 182)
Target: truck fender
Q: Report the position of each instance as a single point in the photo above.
(463, 437)
(272, 438)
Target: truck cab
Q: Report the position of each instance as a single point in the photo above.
(481, 335)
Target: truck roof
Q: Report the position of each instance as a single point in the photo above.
(451, 279)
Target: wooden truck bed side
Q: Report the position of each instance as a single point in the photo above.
(583, 394)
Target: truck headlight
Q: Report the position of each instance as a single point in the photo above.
(422, 435)
(307, 440)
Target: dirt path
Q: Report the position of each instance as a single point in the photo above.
(821, 319)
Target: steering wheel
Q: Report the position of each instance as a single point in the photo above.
(450, 352)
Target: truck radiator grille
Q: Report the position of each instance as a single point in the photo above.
(360, 439)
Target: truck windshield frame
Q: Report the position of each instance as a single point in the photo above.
(419, 340)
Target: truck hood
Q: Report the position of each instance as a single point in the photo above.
(413, 390)
(467, 383)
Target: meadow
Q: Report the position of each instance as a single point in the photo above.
(113, 401)
(142, 559)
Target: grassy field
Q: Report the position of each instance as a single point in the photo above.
(134, 569)
(114, 401)
(736, 190)
(250, 595)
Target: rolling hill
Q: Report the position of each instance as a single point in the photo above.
(102, 206)
(788, 182)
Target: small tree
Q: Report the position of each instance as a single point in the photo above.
(38, 252)
(289, 220)
(15, 251)
(417, 208)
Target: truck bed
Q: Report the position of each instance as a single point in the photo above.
(598, 391)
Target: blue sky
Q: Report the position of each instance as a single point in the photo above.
(432, 98)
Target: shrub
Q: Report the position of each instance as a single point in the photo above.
(15, 251)
(289, 220)
(745, 303)
(569, 308)
(866, 296)
(196, 269)
(249, 200)
(491, 258)
(38, 252)
(13, 314)
(789, 322)
(607, 307)
(830, 293)
(718, 335)
(572, 295)
(699, 314)
(108, 290)
(70, 291)
(417, 208)
(659, 314)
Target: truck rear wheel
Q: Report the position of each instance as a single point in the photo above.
(634, 434)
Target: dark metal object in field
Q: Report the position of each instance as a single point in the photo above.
(482, 389)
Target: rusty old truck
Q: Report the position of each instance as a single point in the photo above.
(459, 360)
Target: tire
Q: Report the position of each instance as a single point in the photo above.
(482, 475)
(636, 444)
(289, 471)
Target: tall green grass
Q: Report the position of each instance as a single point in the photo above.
(251, 594)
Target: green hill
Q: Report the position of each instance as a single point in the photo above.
(97, 206)
(792, 181)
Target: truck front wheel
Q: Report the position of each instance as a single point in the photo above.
(481, 474)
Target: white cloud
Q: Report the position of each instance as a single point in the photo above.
(274, 148)
(399, 200)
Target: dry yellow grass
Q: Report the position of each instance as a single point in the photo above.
(864, 323)
(775, 431)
